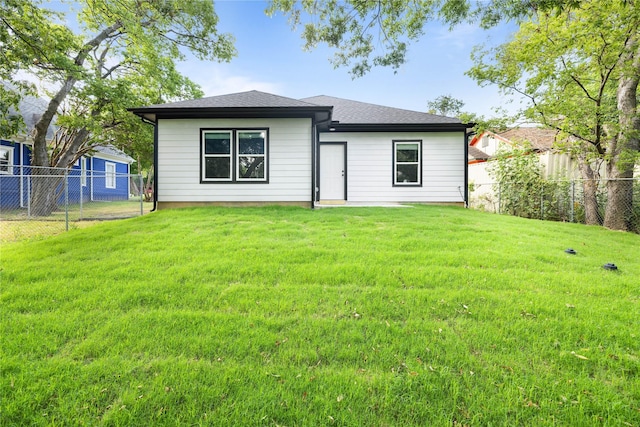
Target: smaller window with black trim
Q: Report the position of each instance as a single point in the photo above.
(234, 155)
(407, 163)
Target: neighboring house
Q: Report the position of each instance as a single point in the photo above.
(103, 175)
(254, 148)
(487, 144)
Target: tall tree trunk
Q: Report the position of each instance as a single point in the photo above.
(624, 146)
(590, 177)
(619, 210)
(148, 186)
(43, 203)
(46, 188)
(47, 183)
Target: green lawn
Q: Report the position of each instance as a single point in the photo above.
(348, 316)
(16, 226)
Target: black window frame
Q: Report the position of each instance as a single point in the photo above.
(234, 156)
(394, 163)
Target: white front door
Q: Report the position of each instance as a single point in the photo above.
(333, 173)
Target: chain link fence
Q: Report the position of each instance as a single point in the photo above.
(559, 200)
(36, 201)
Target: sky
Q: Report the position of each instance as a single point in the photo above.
(271, 59)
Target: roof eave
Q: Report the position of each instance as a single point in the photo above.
(153, 114)
(114, 157)
(398, 127)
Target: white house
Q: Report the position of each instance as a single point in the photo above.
(259, 148)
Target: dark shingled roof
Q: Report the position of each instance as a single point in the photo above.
(251, 99)
(346, 111)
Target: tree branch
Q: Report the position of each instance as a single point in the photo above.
(45, 120)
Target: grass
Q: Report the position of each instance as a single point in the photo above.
(15, 231)
(15, 226)
(285, 316)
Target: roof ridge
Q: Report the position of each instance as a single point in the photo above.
(244, 97)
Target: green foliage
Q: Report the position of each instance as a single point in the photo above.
(445, 105)
(580, 69)
(519, 175)
(378, 33)
(287, 316)
(123, 56)
(568, 73)
(498, 123)
(10, 122)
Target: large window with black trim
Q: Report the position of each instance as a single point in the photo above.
(407, 163)
(234, 155)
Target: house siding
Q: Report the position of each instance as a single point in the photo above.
(97, 180)
(289, 157)
(370, 167)
(12, 185)
(15, 187)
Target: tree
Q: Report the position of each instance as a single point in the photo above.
(123, 56)
(10, 123)
(377, 33)
(519, 175)
(445, 105)
(580, 70)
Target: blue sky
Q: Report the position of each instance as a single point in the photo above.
(271, 59)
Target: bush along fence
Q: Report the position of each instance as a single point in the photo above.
(68, 195)
(579, 201)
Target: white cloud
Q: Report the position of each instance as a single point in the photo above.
(217, 81)
(463, 36)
